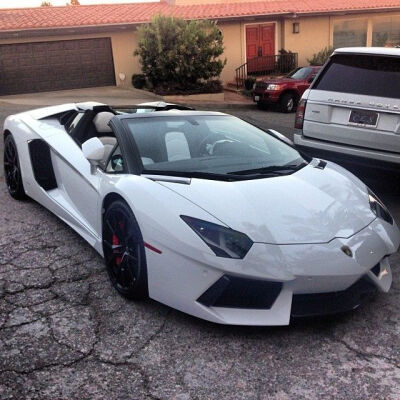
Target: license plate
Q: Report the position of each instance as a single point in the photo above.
(256, 98)
(365, 118)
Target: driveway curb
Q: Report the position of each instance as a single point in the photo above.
(223, 106)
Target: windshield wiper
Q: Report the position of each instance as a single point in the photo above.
(272, 169)
(228, 177)
(196, 174)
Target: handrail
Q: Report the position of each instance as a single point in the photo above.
(271, 64)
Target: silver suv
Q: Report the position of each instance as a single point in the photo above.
(352, 109)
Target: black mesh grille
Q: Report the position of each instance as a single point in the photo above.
(333, 302)
(235, 292)
(261, 85)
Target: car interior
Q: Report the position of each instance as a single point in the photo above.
(95, 123)
(168, 141)
(88, 124)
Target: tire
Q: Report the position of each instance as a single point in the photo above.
(124, 252)
(12, 169)
(287, 103)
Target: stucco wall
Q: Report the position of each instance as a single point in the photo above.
(233, 49)
(314, 35)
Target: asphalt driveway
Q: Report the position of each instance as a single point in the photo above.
(65, 334)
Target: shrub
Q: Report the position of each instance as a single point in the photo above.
(211, 86)
(249, 82)
(180, 54)
(138, 81)
(320, 57)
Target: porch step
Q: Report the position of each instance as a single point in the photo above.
(232, 87)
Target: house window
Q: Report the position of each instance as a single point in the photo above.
(386, 32)
(350, 33)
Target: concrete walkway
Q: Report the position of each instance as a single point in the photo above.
(112, 95)
(109, 95)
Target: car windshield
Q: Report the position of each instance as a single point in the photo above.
(215, 146)
(300, 73)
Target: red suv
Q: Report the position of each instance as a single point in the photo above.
(285, 91)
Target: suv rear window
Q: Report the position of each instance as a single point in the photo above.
(361, 74)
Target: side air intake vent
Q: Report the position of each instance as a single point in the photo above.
(41, 164)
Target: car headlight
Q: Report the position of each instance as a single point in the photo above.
(272, 86)
(378, 208)
(224, 242)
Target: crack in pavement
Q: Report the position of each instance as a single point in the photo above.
(366, 355)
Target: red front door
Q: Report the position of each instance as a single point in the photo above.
(260, 42)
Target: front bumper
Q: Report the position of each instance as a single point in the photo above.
(347, 154)
(266, 97)
(303, 279)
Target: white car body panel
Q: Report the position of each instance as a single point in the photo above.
(327, 126)
(298, 224)
(254, 200)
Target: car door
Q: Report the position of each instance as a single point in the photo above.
(78, 188)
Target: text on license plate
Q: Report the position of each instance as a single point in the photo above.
(363, 118)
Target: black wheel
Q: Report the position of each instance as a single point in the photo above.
(124, 251)
(287, 103)
(12, 169)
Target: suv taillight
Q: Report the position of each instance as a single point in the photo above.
(301, 109)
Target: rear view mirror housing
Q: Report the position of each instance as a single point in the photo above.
(93, 150)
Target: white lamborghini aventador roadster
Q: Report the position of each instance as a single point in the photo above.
(203, 211)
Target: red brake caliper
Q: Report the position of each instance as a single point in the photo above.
(115, 242)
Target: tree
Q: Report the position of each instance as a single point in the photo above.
(321, 57)
(45, 4)
(178, 53)
(74, 3)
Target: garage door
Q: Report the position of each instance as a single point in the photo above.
(63, 64)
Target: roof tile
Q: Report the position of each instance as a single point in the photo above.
(107, 14)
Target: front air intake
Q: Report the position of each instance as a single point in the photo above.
(235, 292)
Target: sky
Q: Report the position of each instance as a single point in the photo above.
(34, 3)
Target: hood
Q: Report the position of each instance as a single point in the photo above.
(310, 206)
(279, 81)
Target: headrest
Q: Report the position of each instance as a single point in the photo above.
(101, 121)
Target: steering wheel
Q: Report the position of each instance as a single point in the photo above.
(209, 140)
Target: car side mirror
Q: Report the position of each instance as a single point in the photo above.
(93, 150)
(279, 136)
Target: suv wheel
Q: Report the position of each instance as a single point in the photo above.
(287, 103)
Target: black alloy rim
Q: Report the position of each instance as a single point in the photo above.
(11, 167)
(122, 246)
